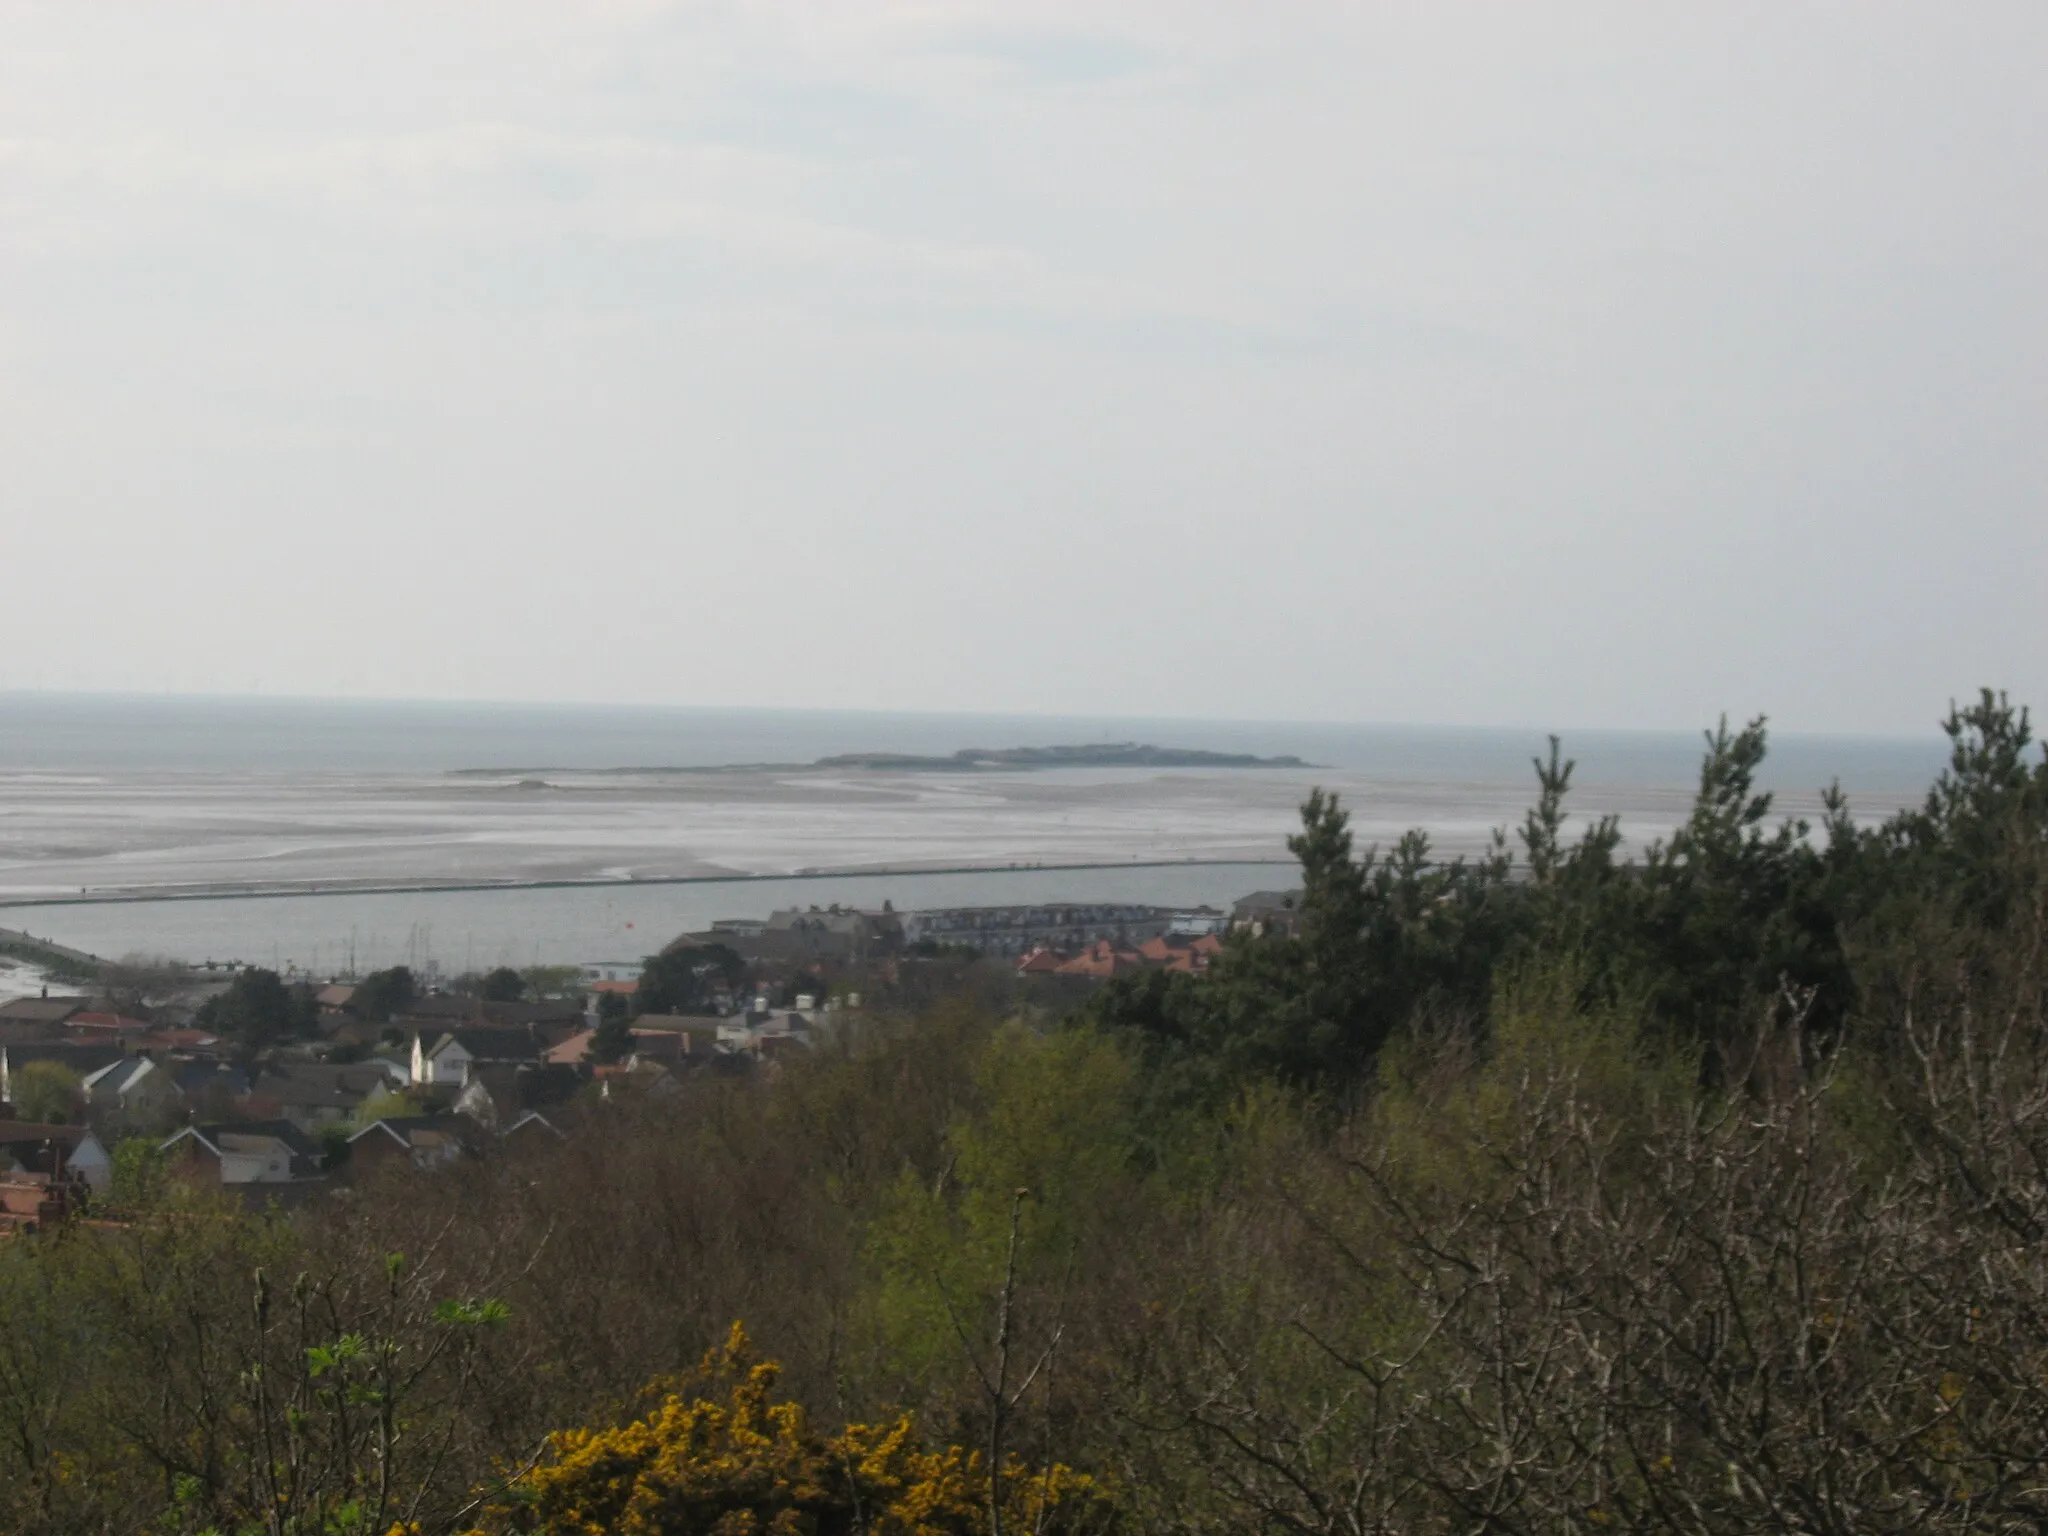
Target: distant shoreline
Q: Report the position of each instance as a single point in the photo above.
(1125, 754)
(428, 888)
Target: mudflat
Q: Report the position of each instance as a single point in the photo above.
(105, 833)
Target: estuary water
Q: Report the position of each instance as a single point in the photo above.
(305, 832)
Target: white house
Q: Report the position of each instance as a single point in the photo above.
(451, 1056)
(244, 1157)
(76, 1151)
(91, 1162)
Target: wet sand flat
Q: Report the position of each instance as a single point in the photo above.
(100, 834)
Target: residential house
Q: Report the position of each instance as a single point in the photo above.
(594, 992)
(498, 1093)
(451, 1057)
(91, 1161)
(531, 1128)
(245, 1153)
(210, 1089)
(634, 1075)
(760, 1035)
(314, 1094)
(434, 1141)
(668, 1046)
(798, 937)
(550, 1022)
(1267, 912)
(1017, 930)
(663, 1047)
(834, 933)
(27, 1020)
(346, 1029)
(93, 1027)
(572, 1052)
(188, 1043)
(133, 1093)
(1102, 960)
(57, 1150)
(439, 1012)
(1174, 952)
(722, 931)
(696, 1033)
(422, 1141)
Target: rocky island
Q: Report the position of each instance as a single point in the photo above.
(1124, 754)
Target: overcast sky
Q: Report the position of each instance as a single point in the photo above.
(1573, 364)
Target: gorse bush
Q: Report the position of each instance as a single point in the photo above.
(742, 1460)
(1703, 1192)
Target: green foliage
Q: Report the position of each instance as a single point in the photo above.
(47, 1092)
(1379, 939)
(1051, 1119)
(684, 980)
(194, 1366)
(1969, 845)
(334, 1147)
(140, 1179)
(614, 1038)
(472, 1314)
(1544, 1191)
(382, 993)
(1566, 882)
(255, 1012)
(504, 985)
(1732, 915)
(553, 981)
(384, 1104)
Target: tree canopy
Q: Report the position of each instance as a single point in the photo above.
(47, 1092)
(503, 985)
(685, 979)
(256, 1011)
(1734, 909)
(1699, 1191)
(382, 993)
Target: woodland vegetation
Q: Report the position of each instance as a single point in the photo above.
(1703, 1191)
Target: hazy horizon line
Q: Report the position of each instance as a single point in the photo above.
(1732, 717)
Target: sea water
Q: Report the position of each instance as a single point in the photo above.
(231, 801)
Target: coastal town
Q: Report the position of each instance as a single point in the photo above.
(283, 1089)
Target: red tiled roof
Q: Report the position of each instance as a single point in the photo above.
(571, 1050)
(105, 1021)
(1102, 958)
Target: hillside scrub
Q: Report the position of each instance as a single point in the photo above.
(1703, 1193)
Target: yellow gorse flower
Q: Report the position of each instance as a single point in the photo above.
(744, 1464)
